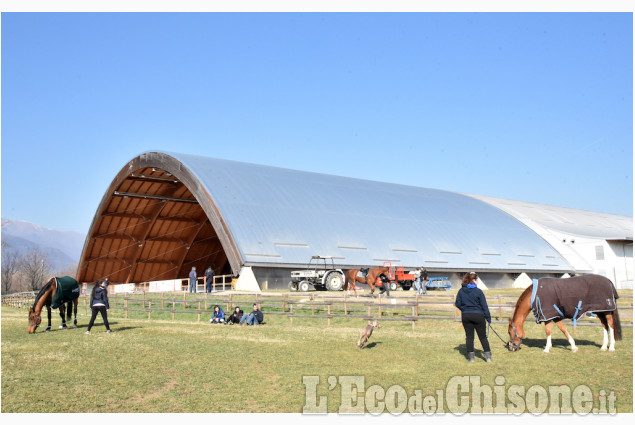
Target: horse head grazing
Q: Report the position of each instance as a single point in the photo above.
(515, 337)
(34, 320)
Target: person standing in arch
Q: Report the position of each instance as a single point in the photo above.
(193, 277)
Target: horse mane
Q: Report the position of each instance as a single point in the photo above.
(43, 290)
(522, 297)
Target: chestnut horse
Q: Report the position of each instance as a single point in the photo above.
(371, 278)
(610, 321)
(44, 298)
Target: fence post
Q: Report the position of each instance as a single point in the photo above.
(230, 305)
(199, 311)
(500, 308)
(369, 312)
(162, 299)
(345, 305)
(143, 300)
(149, 309)
(291, 315)
(85, 304)
(184, 306)
(417, 306)
(413, 321)
(380, 306)
(115, 299)
(173, 308)
(284, 303)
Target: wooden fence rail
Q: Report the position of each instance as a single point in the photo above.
(303, 306)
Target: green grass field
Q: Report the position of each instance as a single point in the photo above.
(160, 365)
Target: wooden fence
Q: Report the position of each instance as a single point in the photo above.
(308, 306)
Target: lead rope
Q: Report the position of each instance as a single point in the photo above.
(499, 337)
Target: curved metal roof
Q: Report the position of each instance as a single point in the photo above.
(193, 210)
(588, 224)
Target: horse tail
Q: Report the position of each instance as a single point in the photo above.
(617, 325)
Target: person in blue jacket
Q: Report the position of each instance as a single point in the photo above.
(193, 276)
(474, 314)
(218, 316)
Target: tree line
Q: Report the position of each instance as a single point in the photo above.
(28, 271)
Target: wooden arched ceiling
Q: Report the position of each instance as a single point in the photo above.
(150, 226)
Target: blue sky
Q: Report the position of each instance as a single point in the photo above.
(527, 106)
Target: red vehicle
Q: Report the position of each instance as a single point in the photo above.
(400, 277)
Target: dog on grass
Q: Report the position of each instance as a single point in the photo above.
(366, 333)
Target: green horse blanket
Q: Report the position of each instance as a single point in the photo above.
(67, 290)
(553, 298)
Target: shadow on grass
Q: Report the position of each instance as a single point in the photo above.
(531, 343)
(372, 344)
(557, 343)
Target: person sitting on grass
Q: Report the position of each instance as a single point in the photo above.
(254, 318)
(235, 317)
(218, 316)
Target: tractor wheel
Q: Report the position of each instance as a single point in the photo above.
(334, 281)
(293, 286)
(393, 286)
(304, 286)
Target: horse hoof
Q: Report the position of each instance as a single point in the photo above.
(546, 350)
(603, 349)
(612, 349)
(574, 349)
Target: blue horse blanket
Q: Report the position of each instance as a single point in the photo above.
(67, 290)
(570, 298)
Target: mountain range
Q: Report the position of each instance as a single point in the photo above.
(62, 248)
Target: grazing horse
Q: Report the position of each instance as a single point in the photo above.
(45, 298)
(597, 292)
(371, 278)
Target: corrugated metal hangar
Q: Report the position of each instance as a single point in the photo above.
(166, 212)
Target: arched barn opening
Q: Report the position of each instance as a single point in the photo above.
(153, 223)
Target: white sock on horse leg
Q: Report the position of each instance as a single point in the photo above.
(572, 342)
(605, 341)
(548, 346)
(612, 334)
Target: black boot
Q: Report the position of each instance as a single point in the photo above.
(488, 356)
(470, 357)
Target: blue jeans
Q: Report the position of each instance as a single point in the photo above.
(418, 286)
(192, 286)
(249, 319)
(208, 286)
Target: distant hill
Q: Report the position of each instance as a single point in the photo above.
(62, 248)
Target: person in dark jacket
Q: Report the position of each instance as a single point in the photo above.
(254, 318)
(385, 284)
(474, 314)
(209, 278)
(218, 316)
(235, 317)
(193, 276)
(99, 304)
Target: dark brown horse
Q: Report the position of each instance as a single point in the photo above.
(45, 298)
(610, 321)
(351, 277)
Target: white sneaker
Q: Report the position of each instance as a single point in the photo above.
(87, 332)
